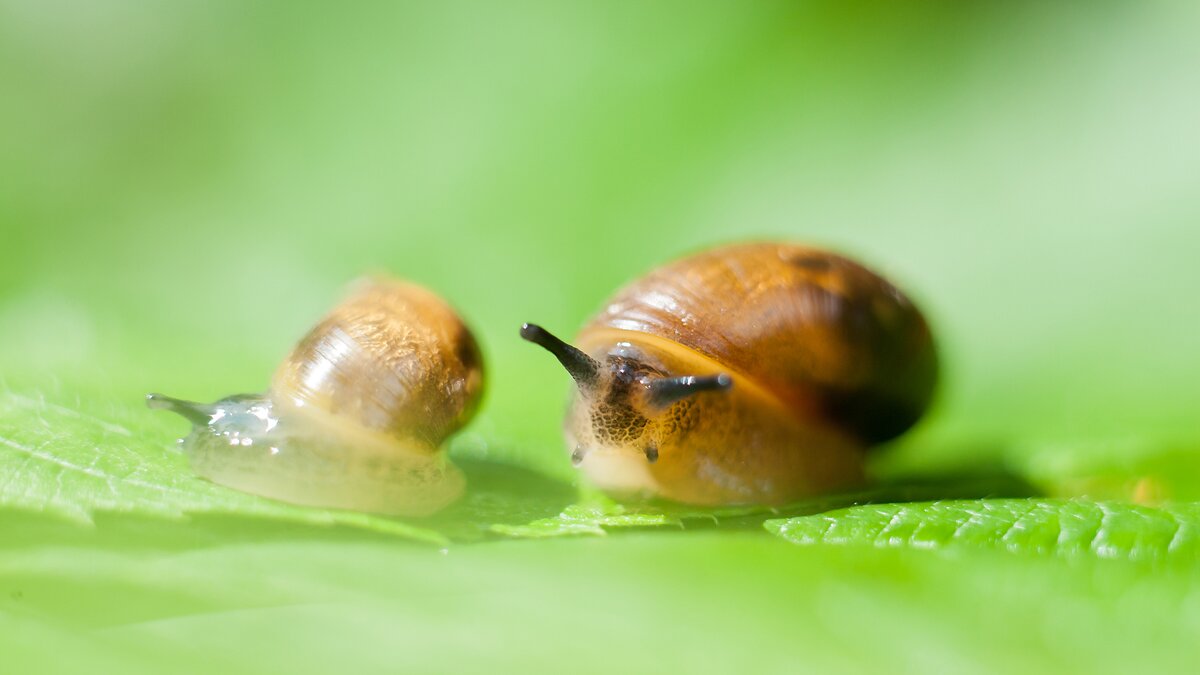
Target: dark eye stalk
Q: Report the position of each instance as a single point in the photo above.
(583, 369)
(668, 390)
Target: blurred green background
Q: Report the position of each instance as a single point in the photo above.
(186, 186)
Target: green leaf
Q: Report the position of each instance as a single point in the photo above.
(304, 601)
(586, 519)
(1067, 528)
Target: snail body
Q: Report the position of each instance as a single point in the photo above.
(757, 373)
(355, 415)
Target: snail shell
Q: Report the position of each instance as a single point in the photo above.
(356, 414)
(755, 373)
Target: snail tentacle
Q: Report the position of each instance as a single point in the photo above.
(667, 390)
(583, 369)
(192, 411)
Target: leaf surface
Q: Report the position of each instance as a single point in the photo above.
(1054, 527)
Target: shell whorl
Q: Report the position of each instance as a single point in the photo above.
(812, 327)
(392, 358)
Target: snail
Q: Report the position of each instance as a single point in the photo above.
(355, 415)
(747, 374)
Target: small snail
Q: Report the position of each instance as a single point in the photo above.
(357, 412)
(755, 373)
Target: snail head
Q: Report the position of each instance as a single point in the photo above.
(623, 393)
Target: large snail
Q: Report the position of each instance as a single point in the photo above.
(755, 373)
(355, 415)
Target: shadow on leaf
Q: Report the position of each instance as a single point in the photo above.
(597, 514)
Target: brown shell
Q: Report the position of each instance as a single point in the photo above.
(811, 327)
(393, 357)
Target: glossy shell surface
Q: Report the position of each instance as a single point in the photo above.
(392, 358)
(818, 331)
